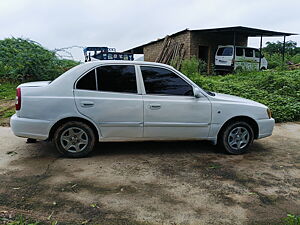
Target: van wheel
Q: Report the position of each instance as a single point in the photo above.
(74, 139)
(237, 137)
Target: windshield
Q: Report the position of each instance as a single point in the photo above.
(225, 51)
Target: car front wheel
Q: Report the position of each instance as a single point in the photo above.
(237, 137)
(74, 139)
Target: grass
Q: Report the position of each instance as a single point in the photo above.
(292, 219)
(7, 96)
(8, 113)
(7, 91)
(279, 90)
(20, 220)
(7, 109)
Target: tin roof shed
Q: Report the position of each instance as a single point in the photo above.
(203, 43)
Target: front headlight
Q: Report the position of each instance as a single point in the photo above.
(269, 113)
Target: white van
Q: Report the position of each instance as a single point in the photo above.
(245, 58)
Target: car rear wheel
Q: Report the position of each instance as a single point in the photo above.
(74, 139)
(237, 137)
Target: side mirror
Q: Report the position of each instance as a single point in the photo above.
(197, 93)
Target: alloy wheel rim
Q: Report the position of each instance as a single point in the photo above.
(74, 139)
(238, 138)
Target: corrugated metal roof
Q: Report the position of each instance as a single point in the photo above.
(250, 32)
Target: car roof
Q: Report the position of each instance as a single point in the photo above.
(118, 62)
(224, 46)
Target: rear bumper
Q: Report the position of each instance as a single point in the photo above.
(265, 127)
(223, 68)
(29, 128)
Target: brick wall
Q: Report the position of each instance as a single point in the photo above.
(192, 41)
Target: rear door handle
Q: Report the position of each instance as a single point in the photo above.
(87, 104)
(155, 106)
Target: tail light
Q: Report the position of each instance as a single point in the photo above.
(18, 99)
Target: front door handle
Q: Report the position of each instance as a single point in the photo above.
(87, 104)
(155, 106)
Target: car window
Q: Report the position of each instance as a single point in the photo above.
(257, 53)
(117, 78)
(248, 52)
(226, 51)
(239, 51)
(88, 81)
(165, 82)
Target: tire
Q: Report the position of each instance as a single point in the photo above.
(74, 139)
(236, 137)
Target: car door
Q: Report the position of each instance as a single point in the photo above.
(113, 102)
(170, 109)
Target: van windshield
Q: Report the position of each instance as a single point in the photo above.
(225, 51)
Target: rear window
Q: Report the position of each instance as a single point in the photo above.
(88, 81)
(226, 51)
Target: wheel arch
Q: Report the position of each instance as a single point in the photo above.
(79, 119)
(246, 119)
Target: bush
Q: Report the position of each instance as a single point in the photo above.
(273, 53)
(295, 59)
(24, 59)
(190, 66)
(193, 66)
(275, 60)
(279, 90)
(202, 68)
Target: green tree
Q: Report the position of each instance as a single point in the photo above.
(24, 59)
(277, 47)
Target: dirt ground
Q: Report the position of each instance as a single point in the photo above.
(152, 182)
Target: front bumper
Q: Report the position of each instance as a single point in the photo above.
(29, 128)
(265, 127)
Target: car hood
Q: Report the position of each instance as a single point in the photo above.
(232, 98)
(35, 84)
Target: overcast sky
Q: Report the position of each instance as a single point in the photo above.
(127, 23)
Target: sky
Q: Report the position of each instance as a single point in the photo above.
(123, 24)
